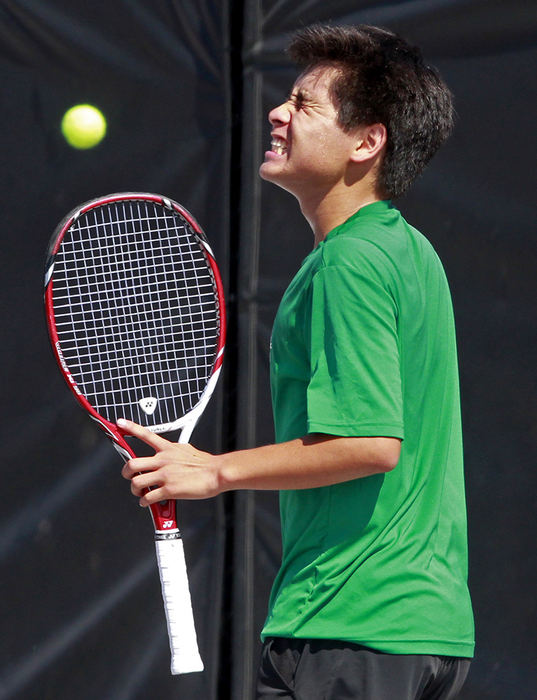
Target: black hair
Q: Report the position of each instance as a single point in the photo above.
(382, 79)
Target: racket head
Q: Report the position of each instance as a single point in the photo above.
(135, 311)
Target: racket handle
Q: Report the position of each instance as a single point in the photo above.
(178, 606)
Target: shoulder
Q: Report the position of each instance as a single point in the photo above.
(380, 240)
(364, 251)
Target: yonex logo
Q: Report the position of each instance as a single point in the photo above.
(148, 405)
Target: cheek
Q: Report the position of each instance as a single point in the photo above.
(325, 153)
(313, 146)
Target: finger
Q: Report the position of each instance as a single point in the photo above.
(143, 482)
(144, 434)
(141, 464)
(154, 496)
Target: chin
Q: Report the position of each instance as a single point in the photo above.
(267, 173)
(273, 172)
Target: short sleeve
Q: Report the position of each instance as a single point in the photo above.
(355, 380)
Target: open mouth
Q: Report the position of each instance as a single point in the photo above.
(278, 145)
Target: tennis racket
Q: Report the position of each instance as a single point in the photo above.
(135, 312)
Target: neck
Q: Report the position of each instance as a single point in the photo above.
(332, 209)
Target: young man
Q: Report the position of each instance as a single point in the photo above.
(371, 600)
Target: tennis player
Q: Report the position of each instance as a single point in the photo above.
(371, 601)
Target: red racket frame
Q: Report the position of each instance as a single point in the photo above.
(163, 514)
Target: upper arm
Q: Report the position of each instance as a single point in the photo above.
(380, 454)
(355, 383)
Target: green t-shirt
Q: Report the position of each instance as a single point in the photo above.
(364, 345)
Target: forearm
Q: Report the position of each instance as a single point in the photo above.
(309, 462)
(183, 471)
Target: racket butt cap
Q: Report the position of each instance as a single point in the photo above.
(186, 664)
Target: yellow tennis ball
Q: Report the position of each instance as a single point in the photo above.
(83, 126)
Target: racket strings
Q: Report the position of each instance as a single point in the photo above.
(136, 311)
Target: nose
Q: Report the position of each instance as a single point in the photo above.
(279, 115)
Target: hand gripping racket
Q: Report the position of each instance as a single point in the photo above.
(135, 313)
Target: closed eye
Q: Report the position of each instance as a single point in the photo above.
(298, 100)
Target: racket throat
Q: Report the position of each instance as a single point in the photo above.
(163, 513)
(165, 520)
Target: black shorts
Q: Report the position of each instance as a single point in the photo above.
(320, 669)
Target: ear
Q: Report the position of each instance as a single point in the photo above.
(370, 140)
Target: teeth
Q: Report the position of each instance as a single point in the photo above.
(278, 146)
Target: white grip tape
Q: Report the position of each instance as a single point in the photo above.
(178, 606)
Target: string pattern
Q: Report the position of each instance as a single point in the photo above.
(136, 311)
